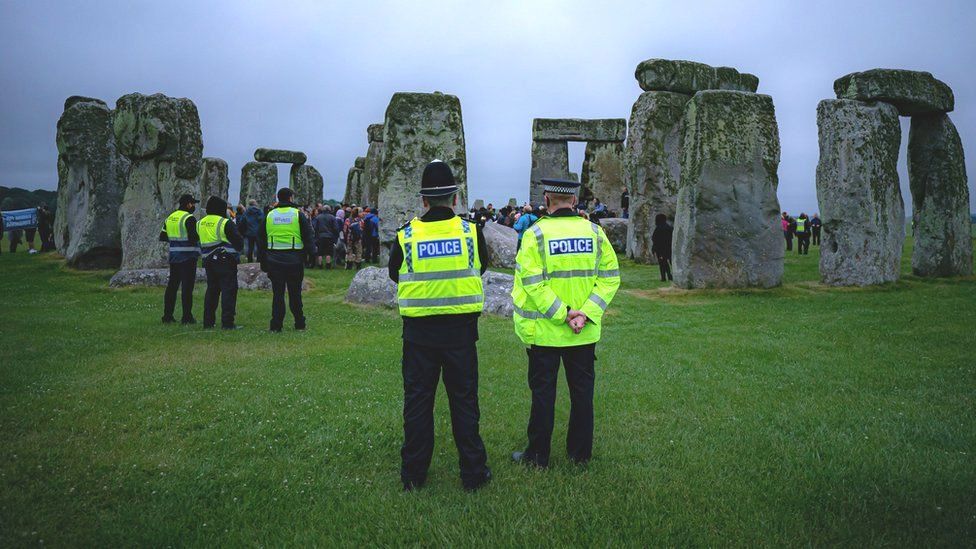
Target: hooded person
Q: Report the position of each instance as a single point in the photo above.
(220, 245)
(285, 240)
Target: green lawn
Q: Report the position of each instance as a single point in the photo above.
(797, 416)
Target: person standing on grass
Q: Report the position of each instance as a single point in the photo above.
(354, 231)
(220, 245)
(523, 223)
(802, 235)
(815, 225)
(661, 245)
(324, 225)
(180, 232)
(437, 262)
(565, 278)
(371, 238)
(284, 239)
(787, 231)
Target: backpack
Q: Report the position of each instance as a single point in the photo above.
(355, 231)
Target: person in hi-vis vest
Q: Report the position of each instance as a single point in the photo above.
(437, 262)
(220, 245)
(803, 229)
(180, 232)
(285, 240)
(566, 274)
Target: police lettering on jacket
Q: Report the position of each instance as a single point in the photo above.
(571, 246)
(427, 249)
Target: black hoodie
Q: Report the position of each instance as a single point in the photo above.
(217, 206)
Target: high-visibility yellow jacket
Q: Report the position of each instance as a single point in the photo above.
(213, 238)
(565, 262)
(441, 269)
(283, 229)
(180, 247)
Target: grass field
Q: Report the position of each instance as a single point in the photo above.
(797, 416)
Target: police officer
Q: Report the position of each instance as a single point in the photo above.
(802, 235)
(437, 261)
(221, 245)
(180, 231)
(566, 276)
(285, 239)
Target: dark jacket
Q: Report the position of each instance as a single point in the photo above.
(442, 331)
(252, 221)
(285, 259)
(661, 240)
(216, 206)
(324, 225)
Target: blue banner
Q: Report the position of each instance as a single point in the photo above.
(20, 219)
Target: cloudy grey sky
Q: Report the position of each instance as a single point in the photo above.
(311, 75)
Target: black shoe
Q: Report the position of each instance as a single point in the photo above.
(412, 485)
(208, 326)
(477, 485)
(521, 458)
(189, 320)
(232, 327)
(168, 320)
(579, 462)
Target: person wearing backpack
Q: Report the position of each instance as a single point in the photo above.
(523, 223)
(354, 231)
(372, 237)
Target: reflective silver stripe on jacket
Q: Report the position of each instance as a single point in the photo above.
(537, 230)
(532, 315)
(441, 301)
(599, 246)
(534, 279)
(184, 249)
(599, 301)
(439, 275)
(551, 312)
(610, 273)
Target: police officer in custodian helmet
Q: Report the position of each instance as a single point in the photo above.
(437, 262)
(566, 276)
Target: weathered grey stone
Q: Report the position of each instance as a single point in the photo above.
(214, 181)
(160, 128)
(307, 183)
(940, 198)
(249, 277)
(280, 155)
(857, 188)
(259, 181)
(374, 161)
(550, 159)
(478, 204)
(911, 92)
(603, 172)
(616, 229)
(653, 166)
(688, 77)
(372, 286)
(354, 186)
(726, 233)
(374, 133)
(578, 129)
(91, 182)
(502, 245)
(419, 127)
(71, 101)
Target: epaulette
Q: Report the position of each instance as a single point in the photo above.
(404, 226)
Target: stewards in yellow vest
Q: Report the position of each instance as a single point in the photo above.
(180, 232)
(565, 277)
(285, 241)
(437, 261)
(220, 245)
(803, 235)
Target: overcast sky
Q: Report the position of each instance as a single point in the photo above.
(312, 75)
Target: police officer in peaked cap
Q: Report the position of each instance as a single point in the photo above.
(437, 261)
(566, 276)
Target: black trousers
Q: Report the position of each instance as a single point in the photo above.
(789, 240)
(580, 375)
(664, 264)
(802, 244)
(291, 279)
(182, 275)
(251, 245)
(422, 366)
(816, 236)
(222, 288)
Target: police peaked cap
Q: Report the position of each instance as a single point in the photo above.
(560, 186)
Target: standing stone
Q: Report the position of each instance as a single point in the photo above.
(502, 243)
(419, 127)
(91, 183)
(653, 166)
(603, 172)
(214, 181)
(726, 232)
(280, 156)
(259, 181)
(857, 189)
(307, 183)
(616, 230)
(161, 137)
(940, 198)
(374, 161)
(550, 159)
(354, 186)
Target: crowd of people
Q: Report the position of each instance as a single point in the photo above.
(44, 229)
(803, 228)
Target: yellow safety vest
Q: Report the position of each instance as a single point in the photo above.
(176, 232)
(212, 235)
(284, 230)
(801, 225)
(441, 269)
(565, 262)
